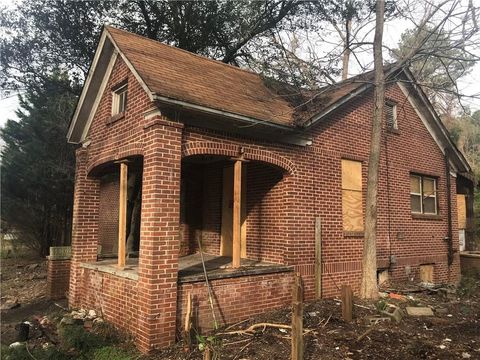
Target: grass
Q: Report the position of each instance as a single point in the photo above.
(102, 343)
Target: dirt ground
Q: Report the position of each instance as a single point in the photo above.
(452, 333)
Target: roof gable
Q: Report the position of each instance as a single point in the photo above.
(181, 78)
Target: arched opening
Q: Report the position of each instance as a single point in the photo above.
(206, 213)
(109, 177)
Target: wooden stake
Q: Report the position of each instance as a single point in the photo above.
(188, 323)
(318, 258)
(297, 319)
(347, 303)
(122, 215)
(237, 221)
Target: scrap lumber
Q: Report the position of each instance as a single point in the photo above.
(347, 303)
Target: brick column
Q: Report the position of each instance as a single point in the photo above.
(84, 225)
(159, 237)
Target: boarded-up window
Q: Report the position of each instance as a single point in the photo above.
(423, 194)
(462, 211)
(391, 115)
(352, 195)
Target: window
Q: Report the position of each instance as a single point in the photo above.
(391, 114)
(352, 196)
(423, 195)
(119, 100)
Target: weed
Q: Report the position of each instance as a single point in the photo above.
(468, 286)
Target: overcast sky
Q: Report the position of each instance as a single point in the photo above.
(469, 85)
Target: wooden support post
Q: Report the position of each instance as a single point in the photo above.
(318, 258)
(188, 324)
(347, 303)
(237, 221)
(297, 319)
(122, 214)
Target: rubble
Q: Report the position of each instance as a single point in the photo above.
(419, 311)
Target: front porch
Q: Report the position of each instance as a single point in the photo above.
(190, 268)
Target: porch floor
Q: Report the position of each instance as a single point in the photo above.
(190, 268)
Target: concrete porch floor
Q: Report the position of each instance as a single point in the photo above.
(190, 268)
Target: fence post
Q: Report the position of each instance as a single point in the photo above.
(297, 319)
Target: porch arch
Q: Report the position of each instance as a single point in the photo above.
(249, 153)
(134, 149)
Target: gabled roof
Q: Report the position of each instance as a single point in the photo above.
(239, 97)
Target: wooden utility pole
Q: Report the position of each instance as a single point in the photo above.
(122, 214)
(237, 215)
(297, 319)
(347, 303)
(369, 288)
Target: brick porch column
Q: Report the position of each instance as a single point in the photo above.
(159, 237)
(84, 225)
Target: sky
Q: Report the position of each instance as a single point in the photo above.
(392, 31)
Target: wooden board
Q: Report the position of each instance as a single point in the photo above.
(462, 211)
(426, 273)
(352, 210)
(237, 215)
(351, 175)
(226, 240)
(122, 215)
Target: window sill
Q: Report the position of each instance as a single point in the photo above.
(426, 217)
(393, 131)
(353, 234)
(114, 118)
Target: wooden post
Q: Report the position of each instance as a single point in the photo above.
(237, 221)
(318, 258)
(297, 319)
(188, 323)
(347, 303)
(122, 214)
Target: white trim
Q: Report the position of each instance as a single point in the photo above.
(406, 92)
(100, 92)
(87, 83)
(337, 104)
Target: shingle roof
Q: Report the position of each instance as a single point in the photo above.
(181, 75)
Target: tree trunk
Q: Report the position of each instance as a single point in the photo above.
(369, 288)
(346, 49)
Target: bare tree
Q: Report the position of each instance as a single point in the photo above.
(369, 288)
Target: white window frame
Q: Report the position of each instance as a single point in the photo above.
(116, 95)
(394, 114)
(422, 196)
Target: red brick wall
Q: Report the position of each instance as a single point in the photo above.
(115, 298)
(235, 299)
(58, 276)
(265, 212)
(108, 213)
(311, 188)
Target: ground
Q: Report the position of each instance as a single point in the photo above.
(452, 333)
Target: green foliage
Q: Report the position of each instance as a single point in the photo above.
(21, 353)
(468, 286)
(108, 353)
(75, 336)
(37, 167)
(41, 34)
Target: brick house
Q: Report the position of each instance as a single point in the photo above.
(179, 152)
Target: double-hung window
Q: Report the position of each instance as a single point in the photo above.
(119, 100)
(423, 194)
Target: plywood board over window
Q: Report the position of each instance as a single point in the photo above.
(352, 195)
(462, 211)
